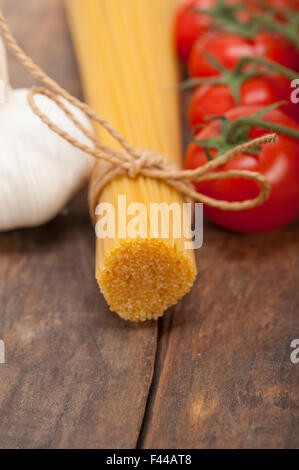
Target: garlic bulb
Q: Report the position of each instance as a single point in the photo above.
(39, 171)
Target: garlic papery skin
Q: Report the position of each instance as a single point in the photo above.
(39, 171)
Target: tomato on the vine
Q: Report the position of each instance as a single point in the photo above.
(278, 162)
(226, 15)
(191, 23)
(228, 49)
(209, 100)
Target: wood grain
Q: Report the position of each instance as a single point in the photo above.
(76, 376)
(224, 378)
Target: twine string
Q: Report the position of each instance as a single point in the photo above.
(129, 160)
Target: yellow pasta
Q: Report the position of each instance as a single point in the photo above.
(129, 74)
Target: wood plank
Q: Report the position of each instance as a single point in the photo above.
(76, 376)
(223, 377)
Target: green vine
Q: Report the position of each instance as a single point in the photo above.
(258, 66)
(236, 132)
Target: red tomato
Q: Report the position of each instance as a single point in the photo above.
(191, 24)
(279, 162)
(209, 100)
(229, 48)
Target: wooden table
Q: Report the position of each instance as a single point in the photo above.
(214, 372)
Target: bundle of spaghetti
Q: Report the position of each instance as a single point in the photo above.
(129, 73)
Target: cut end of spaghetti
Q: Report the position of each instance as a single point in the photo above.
(141, 278)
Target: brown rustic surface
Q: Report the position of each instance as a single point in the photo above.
(223, 375)
(77, 376)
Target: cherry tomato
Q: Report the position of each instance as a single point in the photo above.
(279, 162)
(191, 24)
(209, 100)
(229, 48)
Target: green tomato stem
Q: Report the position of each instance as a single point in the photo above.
(194, 82)
(255, 122)
(234, 78)
(268, 64)
(289, 30)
